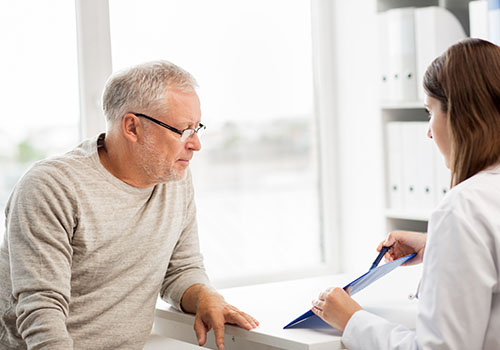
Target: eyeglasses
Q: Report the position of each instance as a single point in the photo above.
(185, 134)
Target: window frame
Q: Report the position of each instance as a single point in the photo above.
(95, 66)
(94, 62)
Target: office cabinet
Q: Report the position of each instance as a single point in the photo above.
(411, 35)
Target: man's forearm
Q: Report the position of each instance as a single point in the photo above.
(195, 294)
(44, 328)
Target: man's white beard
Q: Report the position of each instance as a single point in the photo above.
(152, 164)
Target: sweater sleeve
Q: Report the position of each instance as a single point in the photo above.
(186, 266)
(40, 221)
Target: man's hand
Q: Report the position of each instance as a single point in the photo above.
(212, 311)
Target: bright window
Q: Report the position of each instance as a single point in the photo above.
(256, 178)
(38, 70)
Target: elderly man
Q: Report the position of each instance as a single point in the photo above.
(95, 234)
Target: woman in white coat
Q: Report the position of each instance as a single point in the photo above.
(459, 300)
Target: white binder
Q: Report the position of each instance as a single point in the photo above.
(395, 165)
(436, 29)
(442, 178)
(425, 164)
(417, 176)
(401, 48)
(494, 23)
(383, 59)
(410, 167)
(478, 19)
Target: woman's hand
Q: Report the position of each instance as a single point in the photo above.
(404, 243)
(335, 307)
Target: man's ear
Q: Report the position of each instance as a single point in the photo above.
(131, 127)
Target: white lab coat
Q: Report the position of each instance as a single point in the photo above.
(459, 300)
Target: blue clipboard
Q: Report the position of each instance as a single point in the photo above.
(360, 283)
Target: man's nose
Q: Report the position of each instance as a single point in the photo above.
(193, 143)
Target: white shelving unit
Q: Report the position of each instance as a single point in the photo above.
(410, 111)
(397, 219)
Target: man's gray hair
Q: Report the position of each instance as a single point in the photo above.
(142, 89)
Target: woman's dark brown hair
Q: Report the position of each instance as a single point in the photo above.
(466, 80)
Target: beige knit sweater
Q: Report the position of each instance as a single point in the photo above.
(85, 255)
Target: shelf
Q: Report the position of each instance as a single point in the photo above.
(402, 115)
(402, 105)
(405, 215)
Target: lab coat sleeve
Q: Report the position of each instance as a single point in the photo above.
(454, 298)
(368, 331)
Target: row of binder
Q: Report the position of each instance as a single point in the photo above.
(417, 176)
(409, 39)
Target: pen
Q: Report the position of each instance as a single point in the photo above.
(380, 256)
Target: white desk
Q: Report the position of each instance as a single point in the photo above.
(158, 342)
(276, 304)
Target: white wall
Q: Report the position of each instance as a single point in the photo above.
(360, 144)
